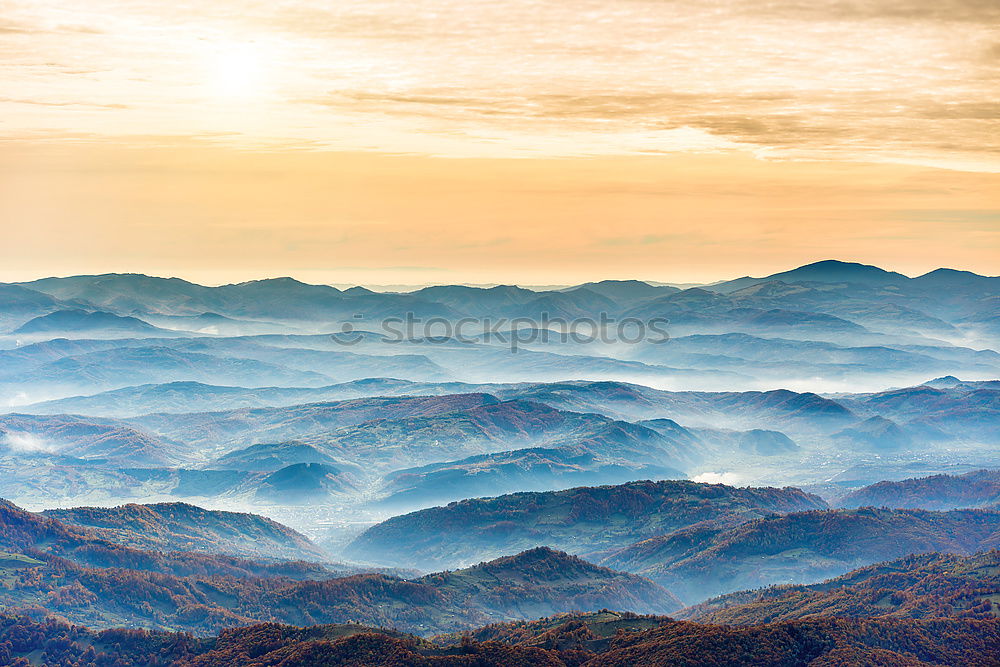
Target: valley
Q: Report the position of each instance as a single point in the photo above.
(808, 453)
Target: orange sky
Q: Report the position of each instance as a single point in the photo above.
(216, 214)
(531, 141)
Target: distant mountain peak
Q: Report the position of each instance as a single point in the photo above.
(835, 270)
(535, 555)
(945, 277)
(840, 265)
(510, 289)
(304, 482)
(946, 382)
(944, 271)
(697, 291)
(76, 319)
(632, 283)
(282, 281)
(823, 271)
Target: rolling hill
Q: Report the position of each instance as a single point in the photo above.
(88, 578)
(75, 323)
(493, 429)
(184, 527)
(86, 438)
(801, 547)
(577, 520)
(563, 641)
(969, 411)
(980, 488)
(252, 426)
(826, 271)
(126, 366)
(540, 581)
(270, 457)
(305, 483)
(921, 586)
(835, 642)
(66, 548)
(192, 397)
(534, 469)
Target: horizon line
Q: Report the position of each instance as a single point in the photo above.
(534, 287)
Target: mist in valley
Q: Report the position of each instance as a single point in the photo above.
(731, 454)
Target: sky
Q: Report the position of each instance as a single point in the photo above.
(557, 141)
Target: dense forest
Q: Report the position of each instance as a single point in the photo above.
(801, 547)
(979, 488)
(579, 520)
(185, 527)
(562, 642)
(922, 586)
(77, 573)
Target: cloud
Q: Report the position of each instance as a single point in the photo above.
(975, 11)
(25, 442)
(12, 28)
(45, 103)
(28, 27)
(831, 79)
(962, 110)
(817, 122)
(358, 21)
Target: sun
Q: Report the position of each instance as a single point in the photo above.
(237, 71)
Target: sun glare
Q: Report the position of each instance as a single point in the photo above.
(237, 71)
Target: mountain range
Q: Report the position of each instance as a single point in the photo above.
(184, 527)
(849, 320)
(801, 547)
(89, 573)
(412, 445)
(275, 473)
(579, 520)
(921, 586)
(979, 488)
(588, 640)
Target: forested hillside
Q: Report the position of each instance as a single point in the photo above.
(579, 520)
(924, 586)
(801, 547)
(558, 642)
(979, 488)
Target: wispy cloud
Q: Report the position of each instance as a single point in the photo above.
(47, 103)
(896, 80)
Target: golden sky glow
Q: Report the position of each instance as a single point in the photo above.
(523, 141)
